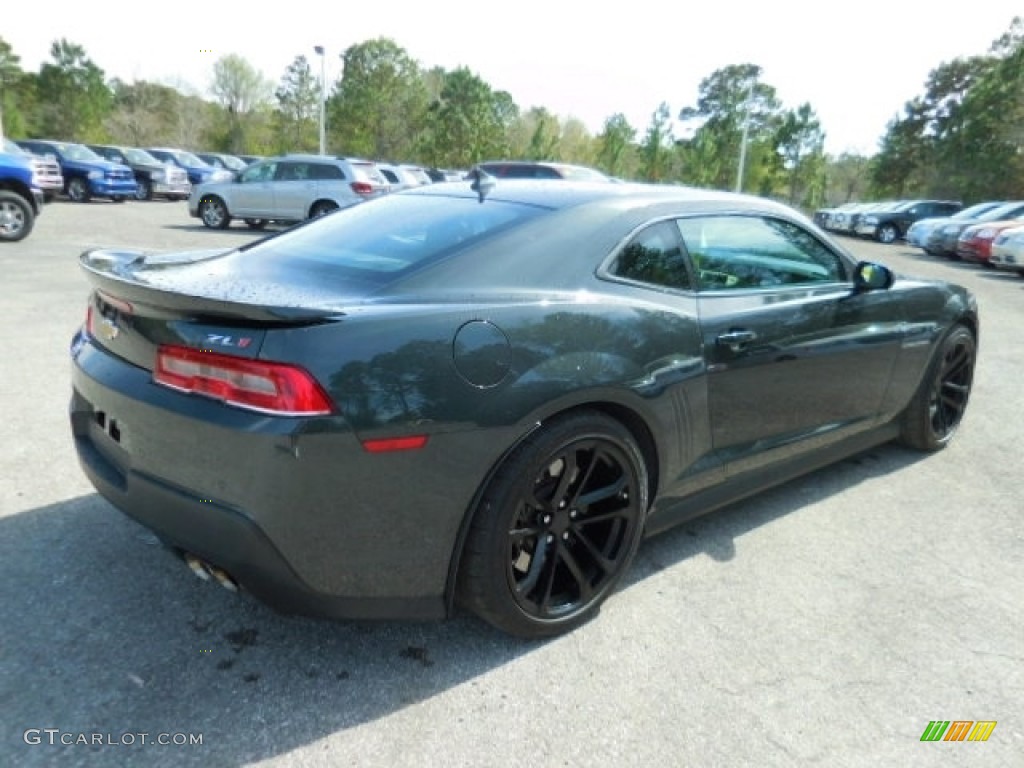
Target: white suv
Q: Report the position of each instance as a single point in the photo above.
(288, 188)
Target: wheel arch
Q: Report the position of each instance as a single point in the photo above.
(629, 417)
(21, 190)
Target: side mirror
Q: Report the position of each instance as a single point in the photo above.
(868, 276)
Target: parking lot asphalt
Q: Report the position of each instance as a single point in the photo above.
(825, 622)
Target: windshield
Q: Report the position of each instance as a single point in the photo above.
(377, 239)
(139, 156)
(79, 153)
(187, 158)
(11, 148)
(1005, 211)
(233, 163)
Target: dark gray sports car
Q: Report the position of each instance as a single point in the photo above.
(486, 397)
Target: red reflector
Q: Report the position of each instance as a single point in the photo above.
(385, 445)
(275, 388)
(362, 188)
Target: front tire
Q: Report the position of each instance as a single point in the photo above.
(556, 528)
(78, 190)
(214, 213)
(887, 233)
(143, 190)
(935, 413)
(16, 217)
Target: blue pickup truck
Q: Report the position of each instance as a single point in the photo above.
(86, 174)
(21, 199)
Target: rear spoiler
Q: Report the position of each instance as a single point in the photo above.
(112, 272)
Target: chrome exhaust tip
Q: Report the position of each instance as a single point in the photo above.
(204, 571)
(197, 566)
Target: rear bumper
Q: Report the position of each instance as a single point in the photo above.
(293, 509)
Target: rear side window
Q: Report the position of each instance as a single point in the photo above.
(324, 171)
(736, 252)
(654, 256)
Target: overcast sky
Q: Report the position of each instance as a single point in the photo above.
(857, 63)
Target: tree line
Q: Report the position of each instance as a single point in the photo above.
(962, 138)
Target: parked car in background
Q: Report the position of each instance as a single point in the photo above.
(45, 169)
(199, 172)
(1008, 250)
(86, 174)
(250, 159)
(153, 178)
(975, 242)
(887, 225)
(828, 218)
(221, 160)
(943, 240)
(287, 188)
(21, 200)
(418, 173)
(485, 396)
(524, 169)
(397, 177)
(921, 230)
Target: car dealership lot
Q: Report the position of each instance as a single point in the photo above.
(827, 620)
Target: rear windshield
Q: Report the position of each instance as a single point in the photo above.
(381, 238)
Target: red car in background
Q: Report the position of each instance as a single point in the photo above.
(975, 242)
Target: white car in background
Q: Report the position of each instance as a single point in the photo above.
(287, 189)
(1008, 250)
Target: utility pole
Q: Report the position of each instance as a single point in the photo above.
(745, 137)
(323, 99)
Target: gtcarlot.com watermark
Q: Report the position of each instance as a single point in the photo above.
(55, 736)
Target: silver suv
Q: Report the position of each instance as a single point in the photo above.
(288, 188)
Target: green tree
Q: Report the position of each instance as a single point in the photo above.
(143, 114)
(656, 149)
(73, 97)
(380, 102)
(846, 178)
(728, 100)
(800, 143)
(12, 79)
(615, 145)
(244, 95)
(298, 109)
(469, 123)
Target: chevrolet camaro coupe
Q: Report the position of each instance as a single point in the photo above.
(484, 395)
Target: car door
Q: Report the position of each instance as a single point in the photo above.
(252, 194)
(294, 189)
(795, 358)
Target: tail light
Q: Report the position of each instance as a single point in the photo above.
(279, 389)
(363, 188)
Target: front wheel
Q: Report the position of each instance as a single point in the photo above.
(934, 414)
(16, 217)
(143, 190)
(214, 213)
(556, 528)
(78, 190)
(887, 233)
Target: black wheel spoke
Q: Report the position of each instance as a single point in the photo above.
(540, 558)
(518, 534)
(584, 589)
(623, 513)
(549, 584)
(604, 563)
(600, 494)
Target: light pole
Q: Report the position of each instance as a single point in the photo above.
(323, 99)
(745, 137)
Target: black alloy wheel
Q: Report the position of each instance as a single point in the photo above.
(557, 527)
(935, 413)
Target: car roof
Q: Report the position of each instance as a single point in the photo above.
(626, 195)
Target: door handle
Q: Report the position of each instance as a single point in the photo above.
(736, 338)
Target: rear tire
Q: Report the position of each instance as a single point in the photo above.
(16, 217)
(143, 190)
(322, 208)
(556, 528)
(887, 233)
(935, 412)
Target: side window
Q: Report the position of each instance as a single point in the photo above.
(734, 252)
(654, 256)
(292, 172)
(259, 172)
(325, 171)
